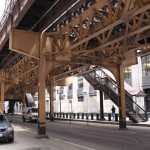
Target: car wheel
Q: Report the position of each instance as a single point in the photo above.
(30, 120)
(11, 140)
(24, 119)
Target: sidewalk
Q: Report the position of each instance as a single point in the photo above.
(146, 124)
(142, 124)
(24, 140)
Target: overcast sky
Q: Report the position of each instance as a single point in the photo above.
(2, 6)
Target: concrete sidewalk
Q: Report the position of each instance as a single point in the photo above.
(24, 140)
(146, 124)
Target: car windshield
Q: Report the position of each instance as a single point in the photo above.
(34, 110)
(2, 118)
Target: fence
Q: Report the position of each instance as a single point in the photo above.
(81, 116)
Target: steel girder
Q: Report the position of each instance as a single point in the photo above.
(105, 33)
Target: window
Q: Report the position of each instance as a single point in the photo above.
(34, 110)
(2, 119)
(146, 65)
(127, 72)
(80, 99)
(70, 87)
(28, 111)
(147, 100)
(80, 81)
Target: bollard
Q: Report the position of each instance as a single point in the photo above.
(97, 116)
(116, 117)
(66, 115)
(78, 115)
(57, 115)
(82, 115)
(91, 116)
(63, 115)
(87, 116)
(109, 117)
(70, 115)
(74, 115)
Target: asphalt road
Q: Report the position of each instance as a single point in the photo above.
(79, 136)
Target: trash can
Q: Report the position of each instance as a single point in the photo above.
(109, 117)
(116, 117)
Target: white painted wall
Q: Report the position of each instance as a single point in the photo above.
(91, 103)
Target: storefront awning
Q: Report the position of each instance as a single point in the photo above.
(132, 91)
(128, 88)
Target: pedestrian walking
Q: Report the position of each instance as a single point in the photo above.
(113, 109)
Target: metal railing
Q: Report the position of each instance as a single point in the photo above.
(101, 81)
(9, 6)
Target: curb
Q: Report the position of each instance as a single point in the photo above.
(97, 121)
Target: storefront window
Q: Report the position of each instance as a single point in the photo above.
(80, 99)
(147, 100)
(70, 87)
(127, 72)
(146, 65)
(80, 81)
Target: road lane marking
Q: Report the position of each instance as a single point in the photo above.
(31, 130)
(72, 143)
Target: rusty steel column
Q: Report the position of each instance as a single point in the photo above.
(101, 106)
(51, 95)
(23, 100)
(121, 99)
(2, 98)
(41, 98)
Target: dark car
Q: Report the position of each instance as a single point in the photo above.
(6, 129)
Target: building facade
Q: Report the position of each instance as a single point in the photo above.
(80, 96)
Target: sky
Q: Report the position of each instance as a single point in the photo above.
(2, 6)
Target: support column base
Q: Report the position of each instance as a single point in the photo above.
(122, 124)
(41, 132)
(51, 119)
(102, 119)
(42, 136)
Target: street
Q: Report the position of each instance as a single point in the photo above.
(78, 136)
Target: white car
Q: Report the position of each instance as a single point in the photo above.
(30, 114)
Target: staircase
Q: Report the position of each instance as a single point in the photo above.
(101, 81)
(29, 100)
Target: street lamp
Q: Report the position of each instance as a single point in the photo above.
(60, 91)
(70, 101)
(87, 115)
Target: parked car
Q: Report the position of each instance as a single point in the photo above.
(6, 129)
(30, 114)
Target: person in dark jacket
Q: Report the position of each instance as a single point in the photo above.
(113, 110)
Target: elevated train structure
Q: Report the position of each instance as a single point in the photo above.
(43, 43)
